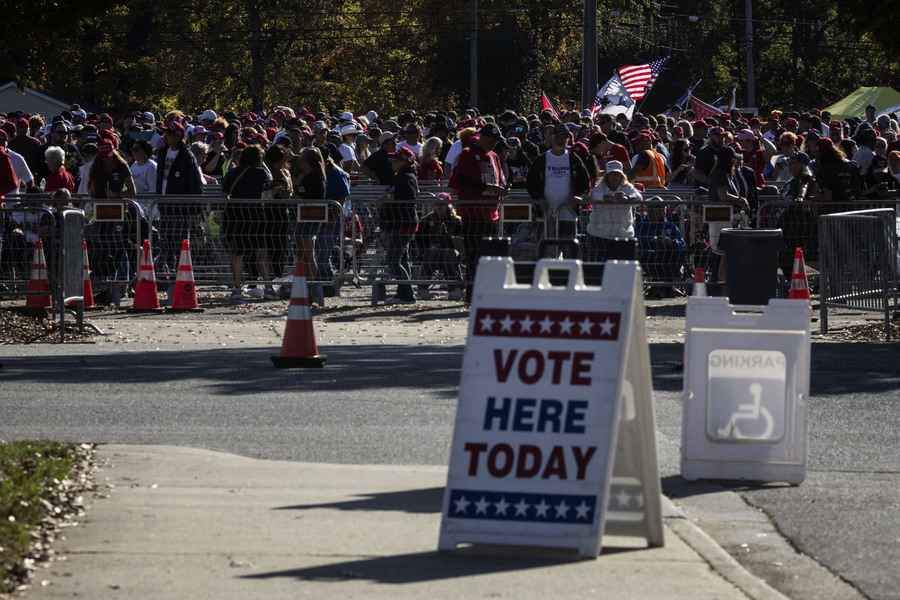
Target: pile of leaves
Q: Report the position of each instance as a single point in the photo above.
(868, 332)
(20, 328)
(42, 488)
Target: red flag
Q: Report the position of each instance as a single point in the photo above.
(547, 105)
(702, 109)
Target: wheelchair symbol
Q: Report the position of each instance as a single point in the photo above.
(749, 412)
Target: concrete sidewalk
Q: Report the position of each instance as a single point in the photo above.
(188, 524)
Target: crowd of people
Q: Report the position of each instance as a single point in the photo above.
(578, 166)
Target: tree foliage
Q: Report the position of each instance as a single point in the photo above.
(362, 54)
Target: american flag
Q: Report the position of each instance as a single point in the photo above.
(638, 79)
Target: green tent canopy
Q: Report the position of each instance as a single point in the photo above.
(855, 104)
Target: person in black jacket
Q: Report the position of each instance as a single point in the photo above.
(557, 177)
(399, 221)
(177, 174)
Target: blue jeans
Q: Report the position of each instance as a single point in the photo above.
(326, 240)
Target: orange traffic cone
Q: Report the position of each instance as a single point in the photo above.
(298, 349)
(88, 289)
(699, 282)
(185, 297)
(799, 284)
(38, 285)
(145, 295)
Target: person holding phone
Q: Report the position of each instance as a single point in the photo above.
(610, 218)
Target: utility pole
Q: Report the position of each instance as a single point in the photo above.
(473, 57)
(589, 54)
(748, 34)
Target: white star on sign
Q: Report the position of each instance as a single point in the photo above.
(526, 324)
(521, 508)
(582, 510)
(541, 508)
(481, 506)
(462, 504)
(565, 326)
(606, 327)
(586, 326)
(562, 509)
(506, 324)
(546, 325)
(487, 323)
(623, 498)
(502, 506)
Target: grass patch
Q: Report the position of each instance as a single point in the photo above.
(30, 475)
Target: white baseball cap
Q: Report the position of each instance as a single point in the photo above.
(614, 166)
(208, 115)
(346, 116)
(349, 130)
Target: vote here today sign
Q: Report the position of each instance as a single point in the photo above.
(537, 418)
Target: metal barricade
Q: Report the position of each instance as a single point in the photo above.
(268, 236)
(799, 223)
(672, 237)
(859, 263)
(419, 243)
(671, 231)
(22, 224)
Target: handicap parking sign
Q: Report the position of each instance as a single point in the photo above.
(746, 388)
(746, 395)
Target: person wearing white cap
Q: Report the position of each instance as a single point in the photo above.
(611, 221)
(208, 116)
(348, 147)
(347, 117)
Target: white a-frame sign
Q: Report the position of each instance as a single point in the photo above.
(554, 442)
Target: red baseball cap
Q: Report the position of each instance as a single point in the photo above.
(175, 127)
(403, 153)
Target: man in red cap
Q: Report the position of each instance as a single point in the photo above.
(478, 180)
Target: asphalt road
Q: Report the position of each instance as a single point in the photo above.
(395, 404)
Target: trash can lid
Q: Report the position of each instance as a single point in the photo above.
(751, 233)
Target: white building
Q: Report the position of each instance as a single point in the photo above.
(29, 101)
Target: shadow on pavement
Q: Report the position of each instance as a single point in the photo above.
(426, 500)
(873, 367)
(435, 369)
(419, 567)
(675, 487)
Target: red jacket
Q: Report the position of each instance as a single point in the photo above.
(473, 172)
(756, 160)
(431, 170)
(59, 180)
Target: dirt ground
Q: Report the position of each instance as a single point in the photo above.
(351, 319)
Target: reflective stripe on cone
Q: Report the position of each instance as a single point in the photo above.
(298, 349)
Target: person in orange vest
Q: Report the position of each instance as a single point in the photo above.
(648, 167)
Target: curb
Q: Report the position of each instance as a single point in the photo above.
(719, 560)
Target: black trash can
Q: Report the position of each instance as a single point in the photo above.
(751, 257)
